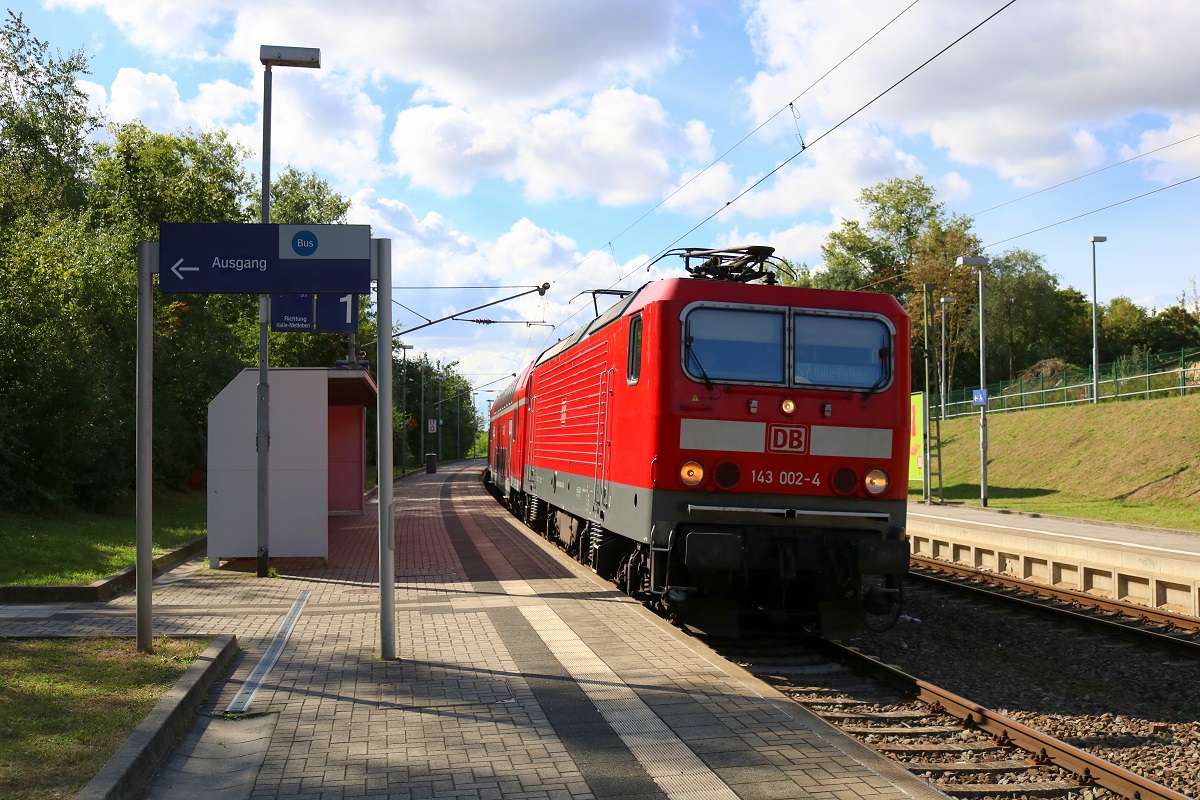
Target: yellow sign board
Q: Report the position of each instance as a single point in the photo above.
(916, 439)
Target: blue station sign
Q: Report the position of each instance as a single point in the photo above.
(319, 313)
(232, 258)
(293, 312)
(337, 313)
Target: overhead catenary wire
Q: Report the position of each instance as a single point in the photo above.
(811, 144)
(790, 105)
(1084, 175)
(1093, 211)
(1053, 224)
(646, 264)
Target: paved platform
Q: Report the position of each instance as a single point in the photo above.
(520, 675)
(1166, 539)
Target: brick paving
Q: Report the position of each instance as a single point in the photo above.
(520, 675)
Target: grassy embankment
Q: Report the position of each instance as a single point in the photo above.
(1135, 462)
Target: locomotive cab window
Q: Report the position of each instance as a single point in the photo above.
(724, 344)
(843, 352)
(633, 368)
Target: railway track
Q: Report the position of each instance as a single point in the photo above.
(962, 748)
(968, 750)
(1153, 622)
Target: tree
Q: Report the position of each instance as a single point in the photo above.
(44, 124)
(1123, 325)
(66, 365)
(882, 253)
(142, 178)
(1029, 318)
(299, 198)
(935, 253)
(1173, 328)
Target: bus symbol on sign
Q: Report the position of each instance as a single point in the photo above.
(304, 243)
(787, 439)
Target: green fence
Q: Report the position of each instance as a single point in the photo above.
(1139, 377)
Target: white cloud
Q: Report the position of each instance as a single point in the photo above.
(1026, 95)
(178, 28)
(474, 54)
(1180, 159)
(831, 175)
(448, 149)
(461, 52)
(621, 148)
(316, 124)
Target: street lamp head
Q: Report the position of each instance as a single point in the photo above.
(946, 300)
(275, 56)
(979, 262)
(1095, 239)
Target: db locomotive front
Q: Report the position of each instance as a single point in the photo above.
(732, 451)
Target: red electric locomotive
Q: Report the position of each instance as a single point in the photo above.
(734, 452)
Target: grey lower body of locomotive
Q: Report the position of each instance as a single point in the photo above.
(728, 563)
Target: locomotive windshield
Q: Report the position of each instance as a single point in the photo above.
(849, 352)
(753, 346)
(722, 344)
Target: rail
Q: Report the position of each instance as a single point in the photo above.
(1090, 770)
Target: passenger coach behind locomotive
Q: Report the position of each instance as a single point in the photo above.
(733, 452)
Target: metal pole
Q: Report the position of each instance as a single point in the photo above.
(422, 453)
(983, 441)
(404, 348)
(945, 379)
(439, 415)
(387, 507)
(263, 438)
(925, 476)
(147, 258)
(1095, 337)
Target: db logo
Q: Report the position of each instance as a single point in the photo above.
(787, 439)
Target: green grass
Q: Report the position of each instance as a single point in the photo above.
(1129, 462)
(77, 548)
(66, 705)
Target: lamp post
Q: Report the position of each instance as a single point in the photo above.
(980, 264)
(270, 56)
(1095, 338)
(404, 348)
(944, 301)
(441, 380)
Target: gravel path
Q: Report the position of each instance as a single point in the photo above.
(1135, 706)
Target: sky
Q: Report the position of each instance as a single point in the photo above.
(503, 144)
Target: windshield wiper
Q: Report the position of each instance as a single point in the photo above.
(691, 352)
(883, 373)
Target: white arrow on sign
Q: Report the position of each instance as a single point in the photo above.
(178, 269)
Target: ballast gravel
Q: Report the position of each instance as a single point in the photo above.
(1133, 705)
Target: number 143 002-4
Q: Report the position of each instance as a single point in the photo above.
(785, 478)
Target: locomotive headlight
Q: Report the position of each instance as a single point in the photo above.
(876, 481)
(691, 473)
(788, 406)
